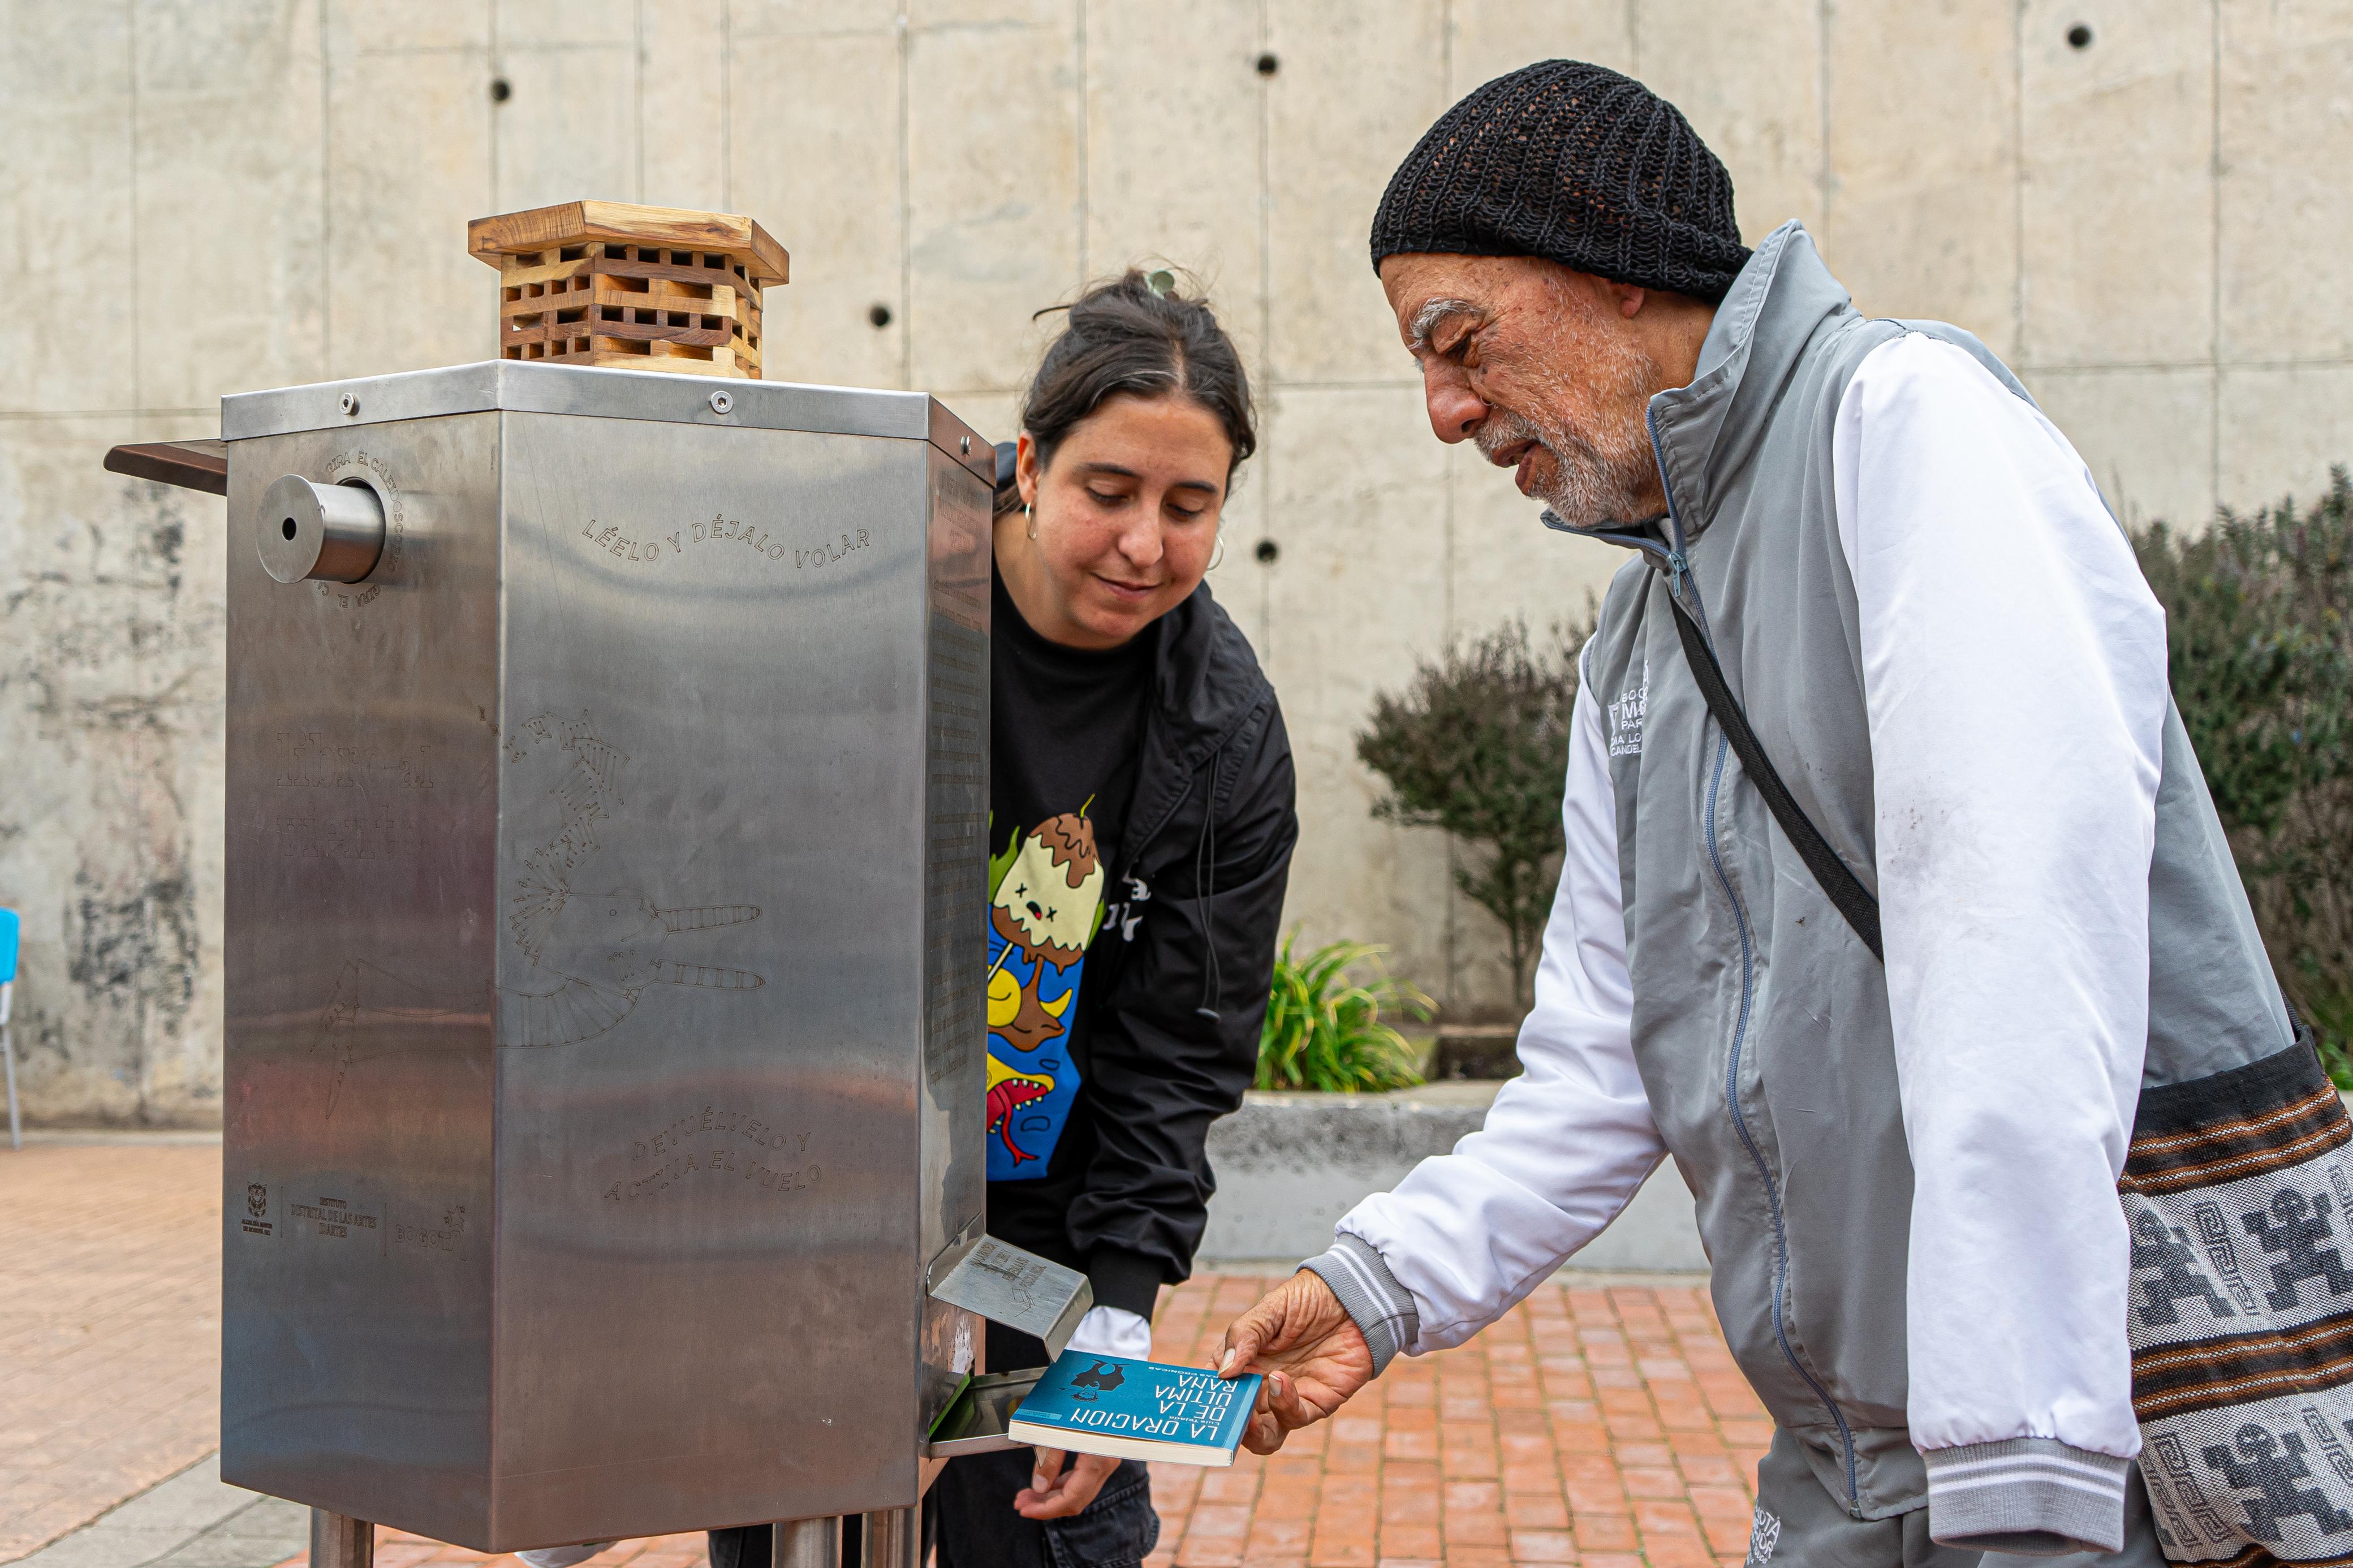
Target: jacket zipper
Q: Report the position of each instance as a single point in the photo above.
(1680, 584)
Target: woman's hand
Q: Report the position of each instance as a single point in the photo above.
(1312, 1352)
(1054, 1493)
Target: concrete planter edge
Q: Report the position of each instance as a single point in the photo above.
(1288, 1165)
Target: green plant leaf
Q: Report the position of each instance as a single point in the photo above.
(1324, 1025)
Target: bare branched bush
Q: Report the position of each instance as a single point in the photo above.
(1477, 743)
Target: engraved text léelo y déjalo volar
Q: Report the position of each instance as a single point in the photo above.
(806, 552)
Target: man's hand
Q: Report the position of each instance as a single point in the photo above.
(1056, 1493)
(1312, 1352)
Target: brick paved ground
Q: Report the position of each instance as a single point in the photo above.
(1603, 1426)
(109, 1328)
(398, 1548)
(1598, 1426)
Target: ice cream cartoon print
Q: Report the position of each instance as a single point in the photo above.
(1045, 902)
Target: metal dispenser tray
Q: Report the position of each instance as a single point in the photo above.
(976, 1421)
(1020, 1289)
(1007, 1285)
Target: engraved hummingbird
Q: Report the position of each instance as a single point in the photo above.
(590, 955)
(604, 948)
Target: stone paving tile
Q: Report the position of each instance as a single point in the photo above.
(1598, 1424)
(109, 1328)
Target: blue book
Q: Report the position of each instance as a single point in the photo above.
(1135, 1410)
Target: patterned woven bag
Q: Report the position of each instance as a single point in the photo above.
(2238, 1190)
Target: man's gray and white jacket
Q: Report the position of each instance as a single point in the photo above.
(1905, 1175)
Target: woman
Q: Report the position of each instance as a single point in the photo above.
(1140, 836)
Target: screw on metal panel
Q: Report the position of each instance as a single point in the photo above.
(349, 403)
(1266, 551)
(964, 445)
(1268, 64)
(879, 315)
(721, 401)
(2079, 36)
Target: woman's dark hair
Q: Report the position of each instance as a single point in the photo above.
(1137, 334)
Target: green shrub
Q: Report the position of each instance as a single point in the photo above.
(1325, 1030)
(1478, 744)
(2256, 623)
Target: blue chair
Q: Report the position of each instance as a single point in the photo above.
(8, 924)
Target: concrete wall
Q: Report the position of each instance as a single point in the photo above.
(209, 196)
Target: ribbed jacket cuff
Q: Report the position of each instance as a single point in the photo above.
(1381, 1308)
(2035, 1497)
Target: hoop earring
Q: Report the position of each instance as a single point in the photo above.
(1032, 513)
(1219, 556)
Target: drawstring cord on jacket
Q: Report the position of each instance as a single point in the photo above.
(1205, 850)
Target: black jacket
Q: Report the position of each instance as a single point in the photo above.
(1196, 896)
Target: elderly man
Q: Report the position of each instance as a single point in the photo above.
(1881, 675)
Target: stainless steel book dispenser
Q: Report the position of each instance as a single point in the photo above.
(606, 798)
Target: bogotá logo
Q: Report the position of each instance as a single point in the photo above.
(257, 1200)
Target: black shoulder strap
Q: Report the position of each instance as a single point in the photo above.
(1852, 899)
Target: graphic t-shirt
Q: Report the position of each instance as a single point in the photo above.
(1065, 726)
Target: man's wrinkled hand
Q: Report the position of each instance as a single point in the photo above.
(1312, 1352)
(1054, 1493)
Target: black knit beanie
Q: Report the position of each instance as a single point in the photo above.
(1578, 165)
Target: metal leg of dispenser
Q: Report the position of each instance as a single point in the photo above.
(894, 1539)
(339, 1541)
(809, 1543)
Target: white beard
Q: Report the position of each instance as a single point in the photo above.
(1600, 477)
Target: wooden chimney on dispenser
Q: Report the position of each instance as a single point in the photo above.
(637, 287)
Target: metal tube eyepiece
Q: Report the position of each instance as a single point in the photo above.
(333, 533)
